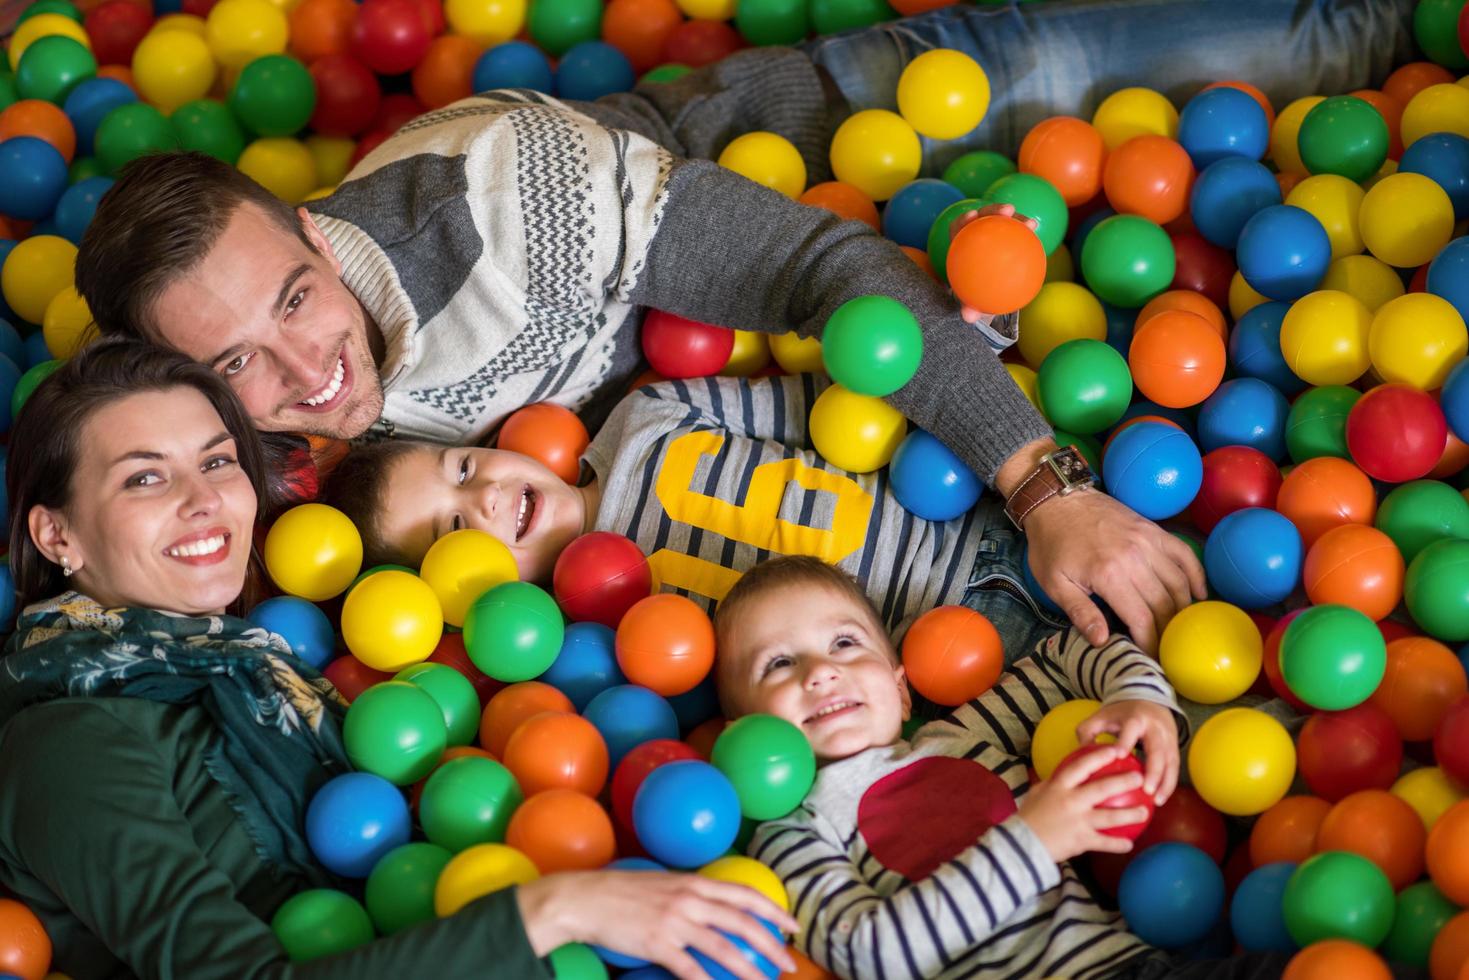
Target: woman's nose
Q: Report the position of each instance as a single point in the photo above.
(199, 497)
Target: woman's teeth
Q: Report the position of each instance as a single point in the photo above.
(208, 546)
(330, 391)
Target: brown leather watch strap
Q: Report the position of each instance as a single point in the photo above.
(1043, 483)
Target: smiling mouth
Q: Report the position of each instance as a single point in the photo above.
(330, 393)
(830, 710)
(527, 511)
(202, 550)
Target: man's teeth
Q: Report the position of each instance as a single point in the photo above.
(208, 546)
(832, 709)
(330, 391)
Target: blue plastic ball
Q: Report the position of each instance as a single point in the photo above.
(1444, 159)
(1253, 558)
(612, 957)
(697, 705)
(592, 69)
(1171, 894)
(78, 205)
(717, 972)
(1227, 194)
(355, 819)
(1223, 122)
(1283, 252)
(514, 64)
(1153, 468)
(11, 345)
(1454, 399)
(1245, 412)
(910, 213)
(686, 814)
(1254, 349)
(586, 665)
(36, 351)
(32, 177)
(89, 103)
(648, 973)
(1120, 323)
(627, 716)
(930, 481)
(1448, 275)
(10, 373)
(1256, 914)
(301, 624)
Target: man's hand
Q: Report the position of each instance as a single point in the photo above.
(1141, 721)
(970, 314)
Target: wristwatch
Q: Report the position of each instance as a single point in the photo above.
(1059, 473)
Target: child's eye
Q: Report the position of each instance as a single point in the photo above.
(842, 642)
(463, 470)
(776, 663)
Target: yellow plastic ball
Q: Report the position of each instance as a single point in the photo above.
(1242, 761)
(171, 68)
(1060, 267)
(855, 432)
(1133, 112)
(751, 353)
(190, 23)
(44, 25)
(1242, 296)
(332, 155)
(1055, 735)
(35, 271)
(67, 324)
(1335, 202)
(1429, 792)
(313, 551)
(1026, 380)
(1211, 652)
(877, 152)
(281, 165)
(1436, 109)
(1371, 280)
(480, 870)
(318, 194)
(1388, 168)
(1406, 219)
(1285, 148)
(392, 620)
(739, 870)
(1417, 339)
(1323, 338)
(796, 354)
(462, 566)
(1060, 312)
(943, 94)
(486, 22)
(709, 9)
(767, 159)
(239, 31)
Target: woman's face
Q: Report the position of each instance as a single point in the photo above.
(161, 512)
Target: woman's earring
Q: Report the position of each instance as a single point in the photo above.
(66, 568)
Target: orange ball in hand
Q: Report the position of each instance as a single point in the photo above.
(996, 264)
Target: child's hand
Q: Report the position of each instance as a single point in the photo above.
(1064, 812)
(1151, 723)
(970, 314)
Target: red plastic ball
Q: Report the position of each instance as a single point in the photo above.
(1271, 663)
(1343, 752)
(599, 577)
(396, 110)
(697, 43)
(390, 36)
(680, 348)
(1396, 433)
(115, 28)
(432, 12)
(666, 644)
(550, 434)
(347, 95)
(1451, 742)
(1187, 819)
(197, 8)
(1121, 801)
(1235, 477)
(351, 676)
(634, 768)
(1202, 266)
(952, 654)
(640, 29)
(365, 145)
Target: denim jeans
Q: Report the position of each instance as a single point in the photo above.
(999, 588)
(1062, 57)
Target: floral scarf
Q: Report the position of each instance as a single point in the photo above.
(278, 720)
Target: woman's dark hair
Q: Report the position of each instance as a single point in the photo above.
(356, 488)
(45, 440)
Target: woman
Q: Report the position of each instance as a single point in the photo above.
(157, 755)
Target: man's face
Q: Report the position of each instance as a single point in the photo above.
(275, 320)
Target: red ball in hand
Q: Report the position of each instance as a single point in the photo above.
(1121, 801)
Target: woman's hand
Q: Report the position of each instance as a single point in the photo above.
(1065, 812)
(657, 916)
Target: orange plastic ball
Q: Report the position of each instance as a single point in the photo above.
(1068, 153)
(703, 737)
(1176, 358)
(556, 750)
(1448, 958)
(1448, 853)
(1412, 78)
(513, 705)
(1324, 493)
(1122, 426)
(1189, 301)
(1150, 176)
(843, 200)
(446, 72)
(640, 28)
(119, 73)
(1287, 831)
(1381, 828)
(1355, 565)
(952, 654)
(1455, 458)
(1336, 959)
(805, 969)
(1392, 113)
(550, 434)
(25, 949)
(920, 258)
(666, 644)
(321, 27)
(43, 120)
(562, 830)
(996, 264)
(1254, 93)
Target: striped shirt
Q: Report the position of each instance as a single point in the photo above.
(879, 892)
(714, 475)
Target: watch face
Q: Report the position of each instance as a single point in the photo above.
(1072, 465)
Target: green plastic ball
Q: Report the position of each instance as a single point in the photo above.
(1338, 895)
(665, 73)
(557, 25)
(380, 568)
(973, 173)
(1035, 198)
(61, 7)
(1436, 29)
(1127, 260)
(8, 95)
(575, 961)
(83, 167)
(28, 383)
(1422, 911)
(131, 131)
(769, 762)
(513, 632)
(274, 96)
(208, 126)
(1084, 386)
(400, 889)
(1419, 513)
(320, 922)
(454, 694)
(395, 730)
(872, 345)
(764, 22)
(833, 16)
(1195, 546)
(1343, 135)
(468, 801)
(1332, 657)
(940, 237)
(1437, 590)
(51, 67)
(1317, 423)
